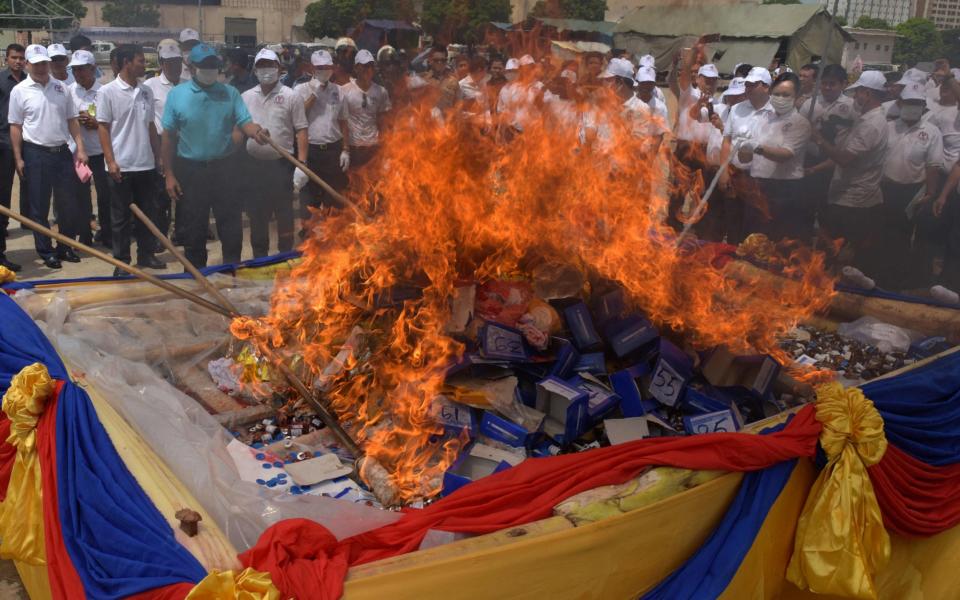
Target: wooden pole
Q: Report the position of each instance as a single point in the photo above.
(190, 268)
(316, 178)
(136, 272)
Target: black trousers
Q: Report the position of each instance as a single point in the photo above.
(100, 181)
(270, 193)
(901, 269)
(207, 185)
(779, 214)
(860, 229)
(134, 187)
(50, 171)
(7, 170)
(325, 161)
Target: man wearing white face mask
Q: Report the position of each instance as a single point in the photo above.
(198, 123)
(327, 114)
(914, 162)
(281, 111)
(775, 156)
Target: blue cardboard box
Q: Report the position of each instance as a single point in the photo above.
(499, 342)
(468, 468)
(609, 306)
(601, 400)
(565, 407)
(722, 421)
(567, 359)
(580, 323)
(632, 402)
(629, 334)
(594, 363)
(757, 373)
(454, 417)
(504, 430)
(672, 373)
(711, 400)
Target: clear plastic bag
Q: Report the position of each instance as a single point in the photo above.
(873, 331)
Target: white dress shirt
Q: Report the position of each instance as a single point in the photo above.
(83, 99)
(327, 111)
(129, 110)
(791, 132)
(745, 123)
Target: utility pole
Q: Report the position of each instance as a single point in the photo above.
(200, 18)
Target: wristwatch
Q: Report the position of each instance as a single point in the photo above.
(758, 150)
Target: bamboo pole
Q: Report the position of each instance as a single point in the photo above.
(136, 272)
(316, 179)
(190, 268)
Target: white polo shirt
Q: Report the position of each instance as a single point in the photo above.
(745, 123)
(842, 108)
(280, 112)
(43, 111)
(129, 112)
(857, 185)
(911, 150)
(160, 86)
(83, 99)
(947, 120)
(790, 132)
(519, 100)
(692, 130)
(362, 117)
(327, 111)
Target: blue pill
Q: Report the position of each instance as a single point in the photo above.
(267, 466)
(318, 453)
(278, 464)
(261, 456)
(295, 489)
(261, 482)
(271, 483)
(256, 445)
(305, 487)
(282, 475)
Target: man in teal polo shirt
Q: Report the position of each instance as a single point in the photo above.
(197, 150)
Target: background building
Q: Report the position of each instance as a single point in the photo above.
(945, 14)
(873, 46)
(234, 22)
(893, 12)
(618, 9)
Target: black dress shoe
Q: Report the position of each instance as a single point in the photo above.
(118, 272)
(10, 265)
(150, 262)
(68, 255)
(52, 262)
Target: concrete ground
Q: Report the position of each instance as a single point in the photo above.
(20, 249)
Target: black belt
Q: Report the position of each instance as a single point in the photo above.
(204, 163)
(50, 149)
(327, 146)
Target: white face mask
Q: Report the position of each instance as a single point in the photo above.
(322, 75)
(268, 76)
(781, 105)
(911, 113)
(207, 76)
(511, 75)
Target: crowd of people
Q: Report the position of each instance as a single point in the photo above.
(805, 155)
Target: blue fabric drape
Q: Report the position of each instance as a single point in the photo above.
(921, 410)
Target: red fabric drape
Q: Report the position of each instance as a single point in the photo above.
(916, 499)
(64, 581)
(307, 562)
(7, 454)
(177, 591)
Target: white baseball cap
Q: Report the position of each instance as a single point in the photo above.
(345, 42)
(735, 88)
(647, 60)
(36, 53)
(364, 57)
(81, 58)
(619, 67)
(512, 65)
(759, 75)
(914, 90)
(911, 75)
(57, 50)
(321, 58)
(527, 60)
(188, 35)
(168, 49)
(709, 70)
(645, 74)
(872, 80)
(266, 54)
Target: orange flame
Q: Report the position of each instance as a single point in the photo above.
(451, 203)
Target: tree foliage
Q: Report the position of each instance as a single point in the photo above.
(61, 19)
(868, 22)
(451, 21)
(918, 40)
(335, 18)
(131, 13)
(588, 10)
(951, 42)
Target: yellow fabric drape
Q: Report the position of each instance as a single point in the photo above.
(21, 513)
(229, 585)
(6, 275)
(841, 543)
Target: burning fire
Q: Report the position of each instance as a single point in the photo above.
(450, 204)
